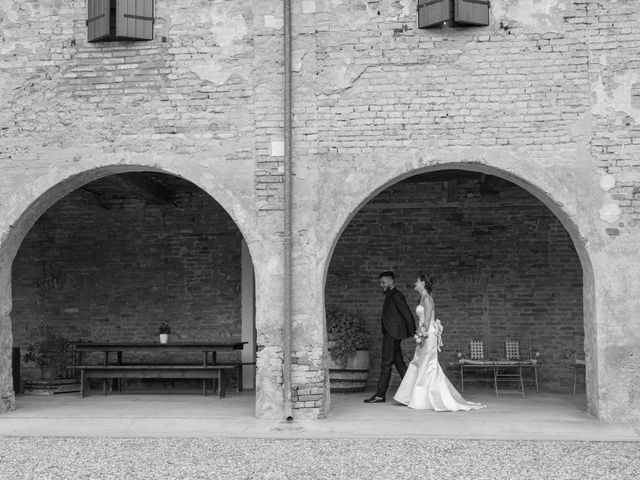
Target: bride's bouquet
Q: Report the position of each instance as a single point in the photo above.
(421, 335)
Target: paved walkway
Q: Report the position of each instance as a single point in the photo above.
(541, 416)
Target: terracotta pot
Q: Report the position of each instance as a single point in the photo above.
(353, 376)
(164, 337)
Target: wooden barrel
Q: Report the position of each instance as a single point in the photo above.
(353, 376)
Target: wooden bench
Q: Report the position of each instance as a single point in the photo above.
(238, 367)
(204, 372)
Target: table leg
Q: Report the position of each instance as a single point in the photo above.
(221, 383)
(79, 363)
(204, 380)
(104, 381)
(118, 381)
(462, 378)
(83, 387)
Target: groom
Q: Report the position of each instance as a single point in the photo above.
(397, 323)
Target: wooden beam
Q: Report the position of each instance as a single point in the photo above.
(89, 200)
(442, 205)
(487, 186)
(145, 187)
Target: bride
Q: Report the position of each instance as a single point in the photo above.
(425, 386)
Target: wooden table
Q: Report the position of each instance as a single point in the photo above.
(207, 369)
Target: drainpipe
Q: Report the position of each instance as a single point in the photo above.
(288, 206)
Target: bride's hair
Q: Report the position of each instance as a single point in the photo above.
(428, 282)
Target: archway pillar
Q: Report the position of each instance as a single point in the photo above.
(269, 327)
(310, 381)
(7, 395)
(614, 386)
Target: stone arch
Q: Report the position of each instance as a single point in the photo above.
(46, 192)
(550, 197)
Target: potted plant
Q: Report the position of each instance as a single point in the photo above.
(164, 330)
(49, 354)
(348, 351)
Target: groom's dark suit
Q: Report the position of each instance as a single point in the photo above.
(397, 323)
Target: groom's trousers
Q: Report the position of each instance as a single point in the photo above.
(391, 355)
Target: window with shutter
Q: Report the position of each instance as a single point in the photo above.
(452, 13)
(432, 13)
(472, 12)
(134, 19)
(97, 20)
(120, 20)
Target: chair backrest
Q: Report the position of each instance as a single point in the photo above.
(476, 350)
(512, 349)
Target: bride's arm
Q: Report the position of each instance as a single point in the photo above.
(427, 304)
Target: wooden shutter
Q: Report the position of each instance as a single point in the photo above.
(433, 12)
(472, 12)
(97, 20)
(134, 19)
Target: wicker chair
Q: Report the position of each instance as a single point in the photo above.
(579, 363)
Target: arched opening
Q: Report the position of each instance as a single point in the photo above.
(107, 257)
(508, 264)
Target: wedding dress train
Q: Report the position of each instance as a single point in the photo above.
(425, 386)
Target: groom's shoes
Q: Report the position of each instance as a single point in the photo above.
(375, 399)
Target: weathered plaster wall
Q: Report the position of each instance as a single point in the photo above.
(545, 96)
(515, 99)
(197, 101)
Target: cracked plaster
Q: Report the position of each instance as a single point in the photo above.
(539, 15)
(616, 95)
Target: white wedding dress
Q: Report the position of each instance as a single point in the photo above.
(425, 386)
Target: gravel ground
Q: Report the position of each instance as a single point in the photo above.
(167, 458)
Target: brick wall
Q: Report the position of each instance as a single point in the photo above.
(202, 99)
(615, 80)
(114, 275)
(385, 83)
(189, 91)
(503, 265)
(548, 92)
(309, 387)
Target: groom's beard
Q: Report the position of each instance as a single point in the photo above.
(386, 290)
